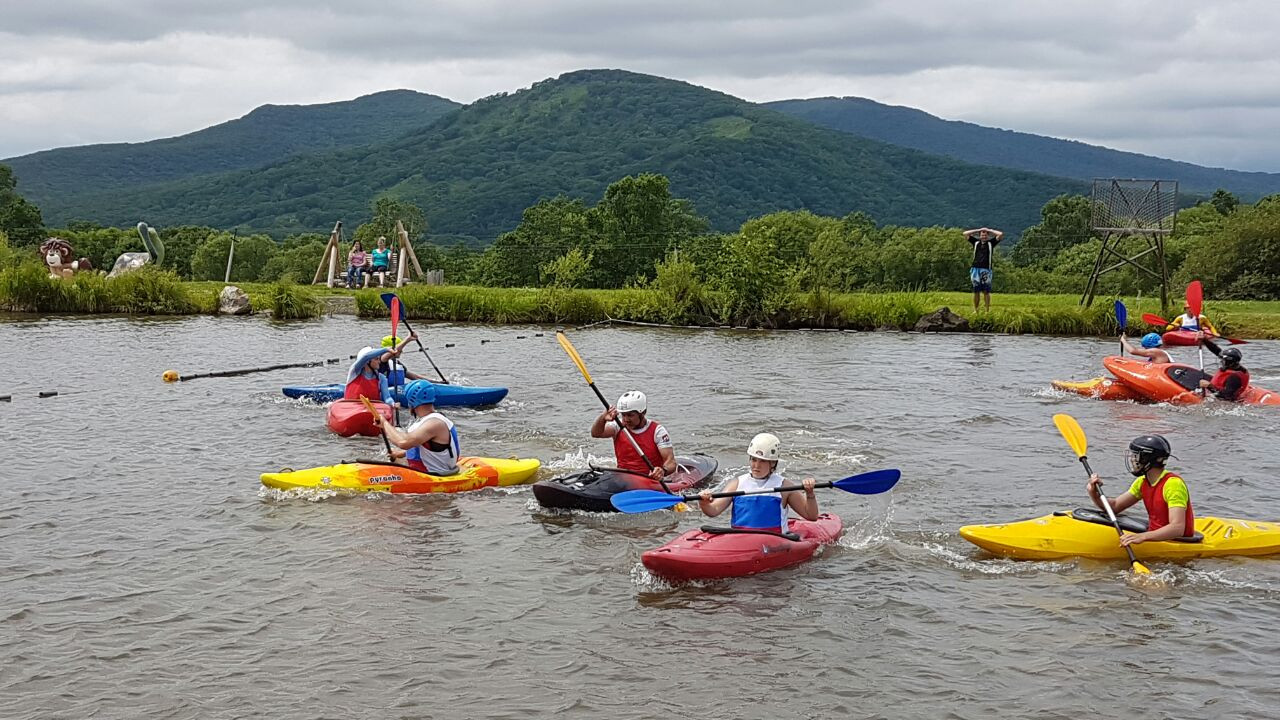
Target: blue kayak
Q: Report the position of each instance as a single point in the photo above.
(446, 395)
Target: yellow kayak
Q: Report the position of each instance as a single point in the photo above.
(1088, 533)
(371, 476)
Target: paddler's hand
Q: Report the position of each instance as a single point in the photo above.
(705, 496)
(610, 414)
(808, 486)
(1199, 336)
(1204, 384)
(1094, 486)
(657, 473)
(1132, 539)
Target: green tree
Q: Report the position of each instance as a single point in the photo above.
(298, 258)
(386, 211)
(1242, 259)
(1064, 221)
(1224, 202)
(567, 271)
(636, 223)
(19, 219)
(252, 254)
(547, 230)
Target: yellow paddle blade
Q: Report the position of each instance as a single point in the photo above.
(573, 354)
(369, 406)
(1141, 569)
(1073, 433)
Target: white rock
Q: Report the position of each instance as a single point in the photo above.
(233, 301)
(128, 262)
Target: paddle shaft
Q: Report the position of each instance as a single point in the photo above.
(381, 430)
(1106, 505)
(395, 343)
(764, 491)
(423, 350)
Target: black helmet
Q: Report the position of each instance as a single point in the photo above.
(1231, 358)
(1147, 451)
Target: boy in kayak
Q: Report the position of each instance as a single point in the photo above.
(366, 376)
(767, 511)
(430, 443)
(1187, 321)
(1164, 494)
(401, 375)
(1151, 343)
(1232, 379)
(648, 434)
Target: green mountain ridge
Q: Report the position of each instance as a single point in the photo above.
(54, 179)
(475, 170)
(983, 145)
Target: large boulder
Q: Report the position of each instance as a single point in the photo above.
(233, 301)
(942, 321)
(128, 262)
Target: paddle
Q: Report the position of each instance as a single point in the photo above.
(582, 368)
(387, 298)
(374, 412)
(1074, 435)
(1195, 301)
(869, 483)
(1153, 319)
(395, 322)
(1122, 319)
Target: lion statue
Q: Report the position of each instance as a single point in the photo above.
(58, 256)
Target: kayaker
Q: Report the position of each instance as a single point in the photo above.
(430, 443)
(365, 376)
(1164, 494)
(1151, 344)
(1232, 379)
(766, 511)
(653, 439)
(1189, 321)
(401, 375)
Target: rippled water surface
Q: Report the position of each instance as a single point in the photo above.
(145, 574)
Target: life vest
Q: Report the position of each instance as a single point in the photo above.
(363, 385)
(759, 512)
(1158, 511)
(1220, 379)
(435, 458)
(628, 458)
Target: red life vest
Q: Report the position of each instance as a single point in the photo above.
(628, 458)
(366, 386)
(1220, 380)
(1158, 511)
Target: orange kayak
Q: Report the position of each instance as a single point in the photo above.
(1099, 387)
(1174, 383)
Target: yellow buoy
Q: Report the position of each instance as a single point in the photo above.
(170, 376)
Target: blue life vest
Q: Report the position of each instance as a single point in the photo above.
(760, 512)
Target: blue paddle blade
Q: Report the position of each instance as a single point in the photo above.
(870, 483)
(387, 298)
(638, 501)
(1122, 315)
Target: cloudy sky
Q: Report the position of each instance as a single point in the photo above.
(1196, 81)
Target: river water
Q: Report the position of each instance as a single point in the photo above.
(145, 573)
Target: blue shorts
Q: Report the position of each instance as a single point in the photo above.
(981, 279)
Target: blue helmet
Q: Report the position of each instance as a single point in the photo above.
(1152, 340)
(419, 392)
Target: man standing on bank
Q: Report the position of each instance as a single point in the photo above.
(984, 241)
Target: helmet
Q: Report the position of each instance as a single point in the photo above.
(764, 446)
(1231, 358)
(1152, 340)
(391, 341)
(1147, 451)
(632, 401)
(419, 392)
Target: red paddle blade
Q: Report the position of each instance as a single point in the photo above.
(1153, 319)
(1195, 297)
(395, 316)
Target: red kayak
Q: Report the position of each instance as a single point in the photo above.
(713, 553)
(1174, 383)
(349, 417)
(1179, 337)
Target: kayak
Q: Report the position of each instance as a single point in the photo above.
(1101, 388)
(1181, 338)
(591, 489)
(1174, 383)
(376, 476)
(713, 553)
(349, 417)
(1087, 532)
(446, 395)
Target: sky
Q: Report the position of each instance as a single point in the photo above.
(1191, 81)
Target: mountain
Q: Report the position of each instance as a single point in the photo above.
(475, 170)
(1020, 151)
(53, 178)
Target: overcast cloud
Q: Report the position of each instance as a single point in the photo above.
(1188, 80)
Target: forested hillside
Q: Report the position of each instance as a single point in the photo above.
(1023, 151)
(477, 169)
(56, 178)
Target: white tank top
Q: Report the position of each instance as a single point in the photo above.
(437, 462)
(757, 510)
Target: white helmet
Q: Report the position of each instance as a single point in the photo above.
(764, 446)
(632, 401)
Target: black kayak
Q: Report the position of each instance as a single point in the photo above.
(591, 489)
